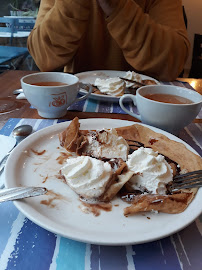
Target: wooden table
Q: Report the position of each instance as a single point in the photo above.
(195, 83)
(10, 80)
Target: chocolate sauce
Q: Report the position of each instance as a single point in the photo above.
(61, 177)
(54, 196)
(38, 153)
(96, 209)
(115, 163)
(135, 143)
(48, 202)
(152, 141)
(63, 157)
(95, 136)
(95, 88)
(45, 179)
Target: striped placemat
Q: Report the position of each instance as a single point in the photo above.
(25, 245)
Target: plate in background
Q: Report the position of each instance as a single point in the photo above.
(91, 76)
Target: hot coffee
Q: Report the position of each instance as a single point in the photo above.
(49, 84)
(167, 107)
(166, 98)
(51, 93)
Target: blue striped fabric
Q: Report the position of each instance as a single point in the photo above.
(25, 245)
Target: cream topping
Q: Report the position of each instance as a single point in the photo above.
(106, 143)
(87, 176)
(111, 86)
(131, 75)
(152, 172)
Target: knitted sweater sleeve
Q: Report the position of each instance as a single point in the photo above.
(154, 42)
(56, 36)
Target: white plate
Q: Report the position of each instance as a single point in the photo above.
(91, 76)
(66, 218)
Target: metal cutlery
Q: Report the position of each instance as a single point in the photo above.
(187, 180)
(10, 194)
(17, 91)
(20, 133)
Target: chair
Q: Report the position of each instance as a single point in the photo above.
(185, 22)
(184, 16)
(10, 56)
(196, 67)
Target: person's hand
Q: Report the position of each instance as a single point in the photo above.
(108, 6)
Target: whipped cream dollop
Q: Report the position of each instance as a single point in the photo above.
(131, 75)
(152, 171)
(87, 176)
(111, 86)
(106, 143)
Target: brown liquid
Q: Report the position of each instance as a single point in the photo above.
(53, 196)
(165, 98)
(48, 83)
(38, 153)
(63, 157)
(96, 208)
(45, 179)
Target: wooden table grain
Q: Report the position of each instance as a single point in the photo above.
(10, 80)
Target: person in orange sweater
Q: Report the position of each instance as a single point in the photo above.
(148, 36)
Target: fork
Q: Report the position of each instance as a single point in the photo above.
(187, 180)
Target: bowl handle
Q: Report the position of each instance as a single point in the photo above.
(129, 96)
(84, 86)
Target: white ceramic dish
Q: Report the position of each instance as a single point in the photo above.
(66, 218)
(91, 76)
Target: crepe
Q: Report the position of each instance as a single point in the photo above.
(69, 137)
(129, 89)
(175, 151)
(74, 140)
(172, 204)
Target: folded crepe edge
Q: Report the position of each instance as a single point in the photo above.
(188, 161)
